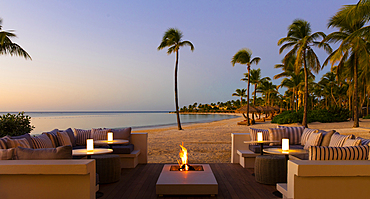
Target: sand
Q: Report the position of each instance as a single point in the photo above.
(211, 142)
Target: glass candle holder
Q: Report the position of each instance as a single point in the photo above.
(89, 144)
(285, 144)
(259, 137)
(110, 137)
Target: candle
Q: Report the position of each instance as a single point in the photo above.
(285, 144)
(90, 144)
(259, 137)
(110, 136)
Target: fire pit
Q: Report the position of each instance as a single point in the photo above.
(185, 179)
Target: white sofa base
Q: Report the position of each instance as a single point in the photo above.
(129, 160)
(45, 179)
(246, 158)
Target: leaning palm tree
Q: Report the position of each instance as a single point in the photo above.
(8, 47)
(172, 39)
(300, 38)
(244, 56)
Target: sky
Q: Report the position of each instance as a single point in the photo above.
(102, 55)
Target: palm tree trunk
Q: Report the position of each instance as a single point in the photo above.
(248, 68)
(355, 97)
(305, 96)
(176, 95)
(254, 99)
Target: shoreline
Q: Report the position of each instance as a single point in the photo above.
(211, 142)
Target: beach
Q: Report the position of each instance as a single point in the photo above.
(211, 142)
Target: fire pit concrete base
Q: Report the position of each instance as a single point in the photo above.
(187, 182)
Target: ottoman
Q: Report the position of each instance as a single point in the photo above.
(270, 169)
(108, 167)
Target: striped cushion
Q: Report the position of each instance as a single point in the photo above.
(364, 141)
(306, 134)
(42, 141)
(352, 142)
(313, 140)
(99, 134)
(13, 143)
(253, 134)
(337, 140)
(64, 139)
(3, 143)
(294, 133)
(338, 153)
(276, 134)
(81, 136)
(53, 137)
(6, 154)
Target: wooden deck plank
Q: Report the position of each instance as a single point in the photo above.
(233, 182)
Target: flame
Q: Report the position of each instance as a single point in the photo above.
(183, 157)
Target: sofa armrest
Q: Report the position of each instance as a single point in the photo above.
(47, 179)
(328, 179)
(237, 143)
(140, 142)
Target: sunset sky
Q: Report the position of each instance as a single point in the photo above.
(102, 55)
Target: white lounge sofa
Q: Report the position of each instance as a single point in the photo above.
(327, 179)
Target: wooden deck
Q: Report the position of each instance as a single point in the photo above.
(233, 182)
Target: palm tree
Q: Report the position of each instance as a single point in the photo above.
(256, 79)
(8, 47)
(300, 38)
(267, 88)
(353, 51)
(172, 39)
(244, 56)
(240, 93)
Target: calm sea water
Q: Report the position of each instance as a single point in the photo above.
(47, 121)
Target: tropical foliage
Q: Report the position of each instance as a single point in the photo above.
(8, 47)
(15, 124)
(341, 94)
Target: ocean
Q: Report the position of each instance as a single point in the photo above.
(47, 121)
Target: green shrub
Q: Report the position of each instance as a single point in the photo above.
(15, 124)
(366, 117)
(333, 114)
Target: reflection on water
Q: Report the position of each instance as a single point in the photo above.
(47, 121)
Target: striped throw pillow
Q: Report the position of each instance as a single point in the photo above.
(41, 141)
(306, 134)
(53, 137)
(294, 134)
(364, 141)
(337, 140)
(313, 140)
(338, 153)
(64, 139)
(81, 136)
(352, 142)
(253, 134)
(276, 134)
(99, 134)
(13, 143)
(3, 143)
(6, 154)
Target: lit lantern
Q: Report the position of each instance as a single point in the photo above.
(90, 144)
(285, 144)
(110, 136)
(259, 137)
